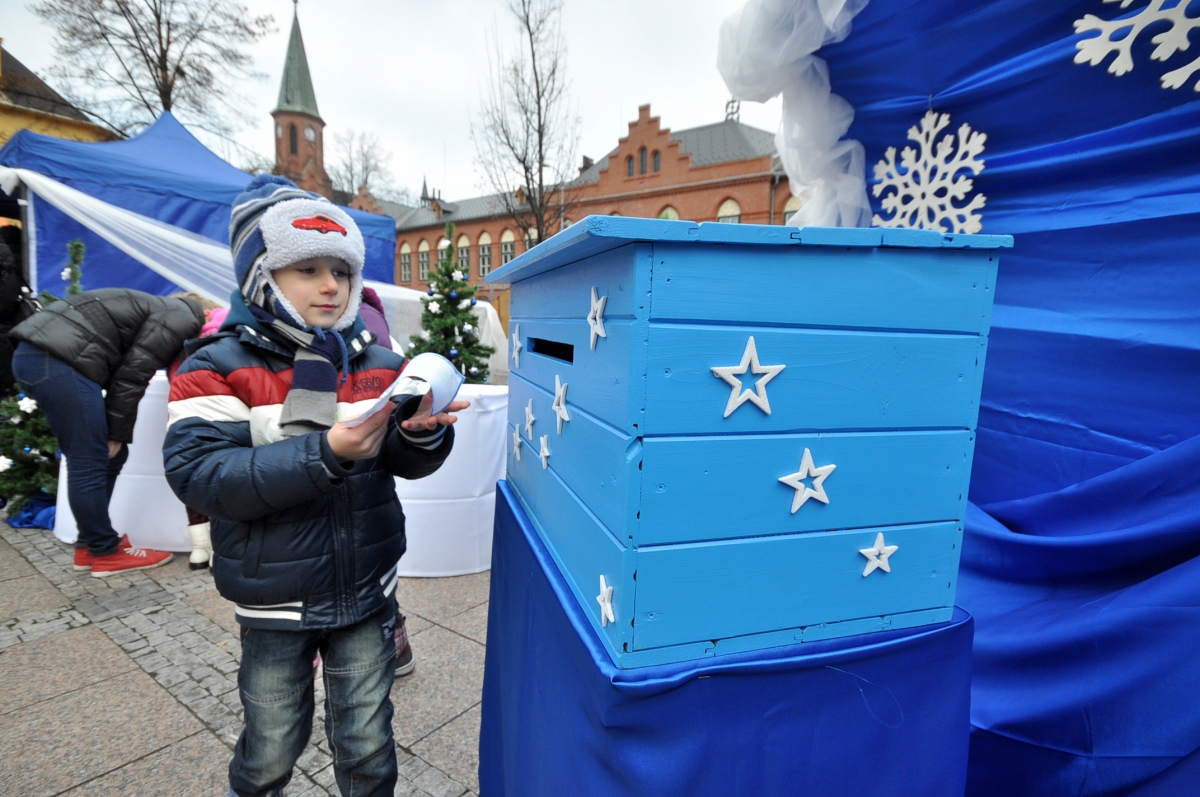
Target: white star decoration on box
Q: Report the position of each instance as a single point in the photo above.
(595, 318)
(877, 556)
(605, 601)
(560, 402)
(808, 471)
(516, 347)
(529, 419)
(545, 452)
(758, 396)
(517, 444)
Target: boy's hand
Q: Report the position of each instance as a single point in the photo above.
(359, 442)
(421, 419)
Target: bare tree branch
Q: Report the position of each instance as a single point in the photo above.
(358, 160)
(527, 135)
(124, 62)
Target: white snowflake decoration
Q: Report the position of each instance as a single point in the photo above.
(434, 307)
(927, 187)
(5, 464)
(66, 274)
(27, 405)
(1127, 29)
(457, 276)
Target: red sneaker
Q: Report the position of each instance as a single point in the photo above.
(128, 559)
(84, 558)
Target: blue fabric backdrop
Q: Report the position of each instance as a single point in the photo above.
(1079, 563)
(163, 173)
(884, 715)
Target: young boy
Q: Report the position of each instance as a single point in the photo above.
(306, 526)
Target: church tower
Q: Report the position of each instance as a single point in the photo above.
(299, 129)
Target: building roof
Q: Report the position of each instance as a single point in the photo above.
(716, 143)
(724, 141)
(21, 87)
(295, 88)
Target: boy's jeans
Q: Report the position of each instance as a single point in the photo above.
(276, 684)
(74, 409)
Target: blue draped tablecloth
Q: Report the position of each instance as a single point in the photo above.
(884, 714)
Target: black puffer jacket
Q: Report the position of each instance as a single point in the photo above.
(116, 337)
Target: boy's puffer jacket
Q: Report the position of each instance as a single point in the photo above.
(300, 540)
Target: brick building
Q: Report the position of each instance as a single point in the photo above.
(725, 171)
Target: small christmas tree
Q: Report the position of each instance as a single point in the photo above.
(28, 452)
(72, 272)
(448, 325)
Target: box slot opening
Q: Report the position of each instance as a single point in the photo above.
(552, 348)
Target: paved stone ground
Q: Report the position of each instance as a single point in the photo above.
(128, 685)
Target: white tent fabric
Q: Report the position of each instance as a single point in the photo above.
(200, 264)
(191, 261)
(766, 49)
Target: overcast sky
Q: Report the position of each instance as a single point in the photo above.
(412, 72)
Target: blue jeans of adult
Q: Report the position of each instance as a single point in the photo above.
(276, 685)
(74, 408)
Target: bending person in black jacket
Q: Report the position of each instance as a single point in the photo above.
(110, 340)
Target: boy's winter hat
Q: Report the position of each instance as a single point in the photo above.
(276, 224)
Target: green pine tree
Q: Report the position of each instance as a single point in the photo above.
(72, 272)
(28, 464)
(449, 327)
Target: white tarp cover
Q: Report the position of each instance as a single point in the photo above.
(766, 49)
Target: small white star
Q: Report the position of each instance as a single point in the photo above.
(605, 601)
(877, 556)
(595, 318)
(545, 452)
(808, 471)
(529, 419)
(560, 403)
(517, 444)
(758, 396)
(516, 347)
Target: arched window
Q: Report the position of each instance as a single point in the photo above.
(730, 211)
(789, 210)
(405, 262)
(531, 239)
(614, 213)
(508, 246)
(669, 213)
(485, 254)
(657, 161)
(292, 144)
(464, 256)
(642, 159)
(629, 165)
(566, 222)
(423, 261)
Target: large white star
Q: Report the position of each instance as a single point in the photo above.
(807, 471)
(516, 347)
(605, 601)
(560, 402)
(595, 317)
(529, 419)
(758, 396)
(517, 444)
(545, 452)
(877, 556)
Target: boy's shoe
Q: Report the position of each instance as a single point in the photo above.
(405, 663)
(201, 546)
(128, 559)
(84, 558)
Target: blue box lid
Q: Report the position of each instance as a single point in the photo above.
(596, 234)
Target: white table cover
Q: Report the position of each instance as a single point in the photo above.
(449, 514)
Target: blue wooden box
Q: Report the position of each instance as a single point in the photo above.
(733, 437)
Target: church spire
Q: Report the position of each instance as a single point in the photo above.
(295, 89)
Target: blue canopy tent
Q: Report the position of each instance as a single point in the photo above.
(163, 173)
(1080, 557)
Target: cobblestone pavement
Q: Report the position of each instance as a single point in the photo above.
(128, 685)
